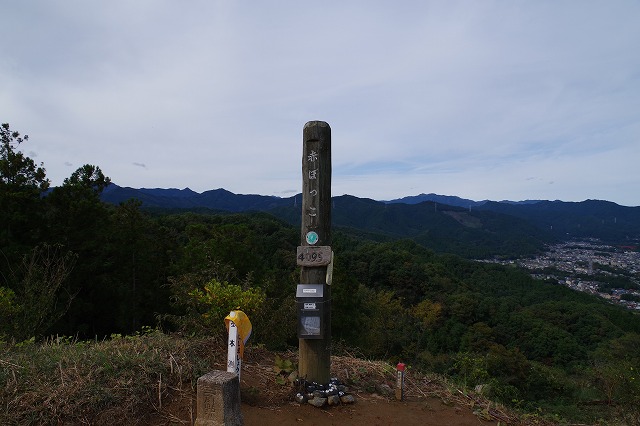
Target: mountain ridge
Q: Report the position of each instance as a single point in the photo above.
(216, 199)
(442, 223)
(451, 200)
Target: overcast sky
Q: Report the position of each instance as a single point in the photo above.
(480, 99)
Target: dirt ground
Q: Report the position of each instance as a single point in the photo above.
(369, 410)
(275, 406)
(265, 402)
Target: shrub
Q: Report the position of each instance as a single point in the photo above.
(208, 304)
(8, 309)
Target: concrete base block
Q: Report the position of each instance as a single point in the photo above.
(218, 400)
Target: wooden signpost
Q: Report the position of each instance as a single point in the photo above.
(314, 254)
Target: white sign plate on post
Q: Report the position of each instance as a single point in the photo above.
(233, 358)
(313, 255)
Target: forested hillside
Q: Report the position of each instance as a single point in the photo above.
(591, 218)
(481, 228)
(441, 227)
(73, 265)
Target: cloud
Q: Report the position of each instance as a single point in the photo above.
(288, 192)
(456, 97)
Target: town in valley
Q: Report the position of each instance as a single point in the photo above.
(589, 265)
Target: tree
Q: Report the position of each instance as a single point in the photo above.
(75, 209)
(88, 178)
(80, 221)
(18, 172)
(139, 250)
(21, 184)
(42, 298)
(8, 310)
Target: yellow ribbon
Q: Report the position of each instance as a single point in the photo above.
(241, 320)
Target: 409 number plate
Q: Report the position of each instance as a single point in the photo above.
(313, 255)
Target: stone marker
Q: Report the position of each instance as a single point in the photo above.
(218, 399)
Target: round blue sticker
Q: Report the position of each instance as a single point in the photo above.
(312, 237)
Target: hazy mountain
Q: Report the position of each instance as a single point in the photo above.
(442, 199)
(216, 199)
(444, 223)
(450, 200)
(590, 218)
(442, 227)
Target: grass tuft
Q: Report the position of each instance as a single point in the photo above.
(63, 381)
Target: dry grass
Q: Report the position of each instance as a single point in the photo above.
(109, 382)
(150, 379)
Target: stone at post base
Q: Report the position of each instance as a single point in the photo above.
(218, 400)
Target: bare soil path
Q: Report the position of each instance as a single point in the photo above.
(266, 401)
(369, 410)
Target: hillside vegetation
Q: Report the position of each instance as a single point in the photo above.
(444, 223)
(72, 265)
(591, 218)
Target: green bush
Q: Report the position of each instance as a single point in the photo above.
(471, 369)
(206, 305)
(8, 309)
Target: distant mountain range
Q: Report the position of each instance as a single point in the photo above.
(216, 199)
(443, 223)
(451, 200)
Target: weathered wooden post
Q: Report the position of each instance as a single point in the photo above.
(314, 255)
